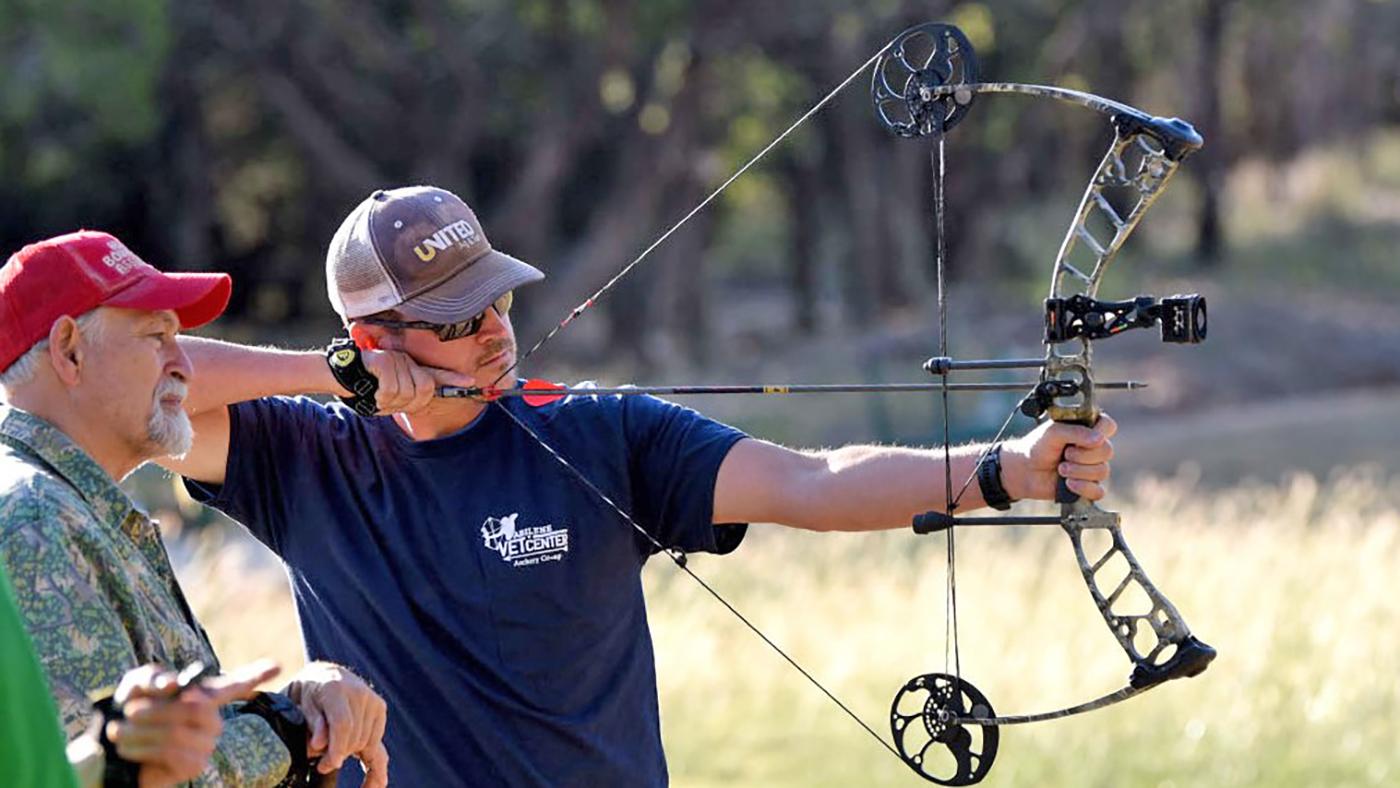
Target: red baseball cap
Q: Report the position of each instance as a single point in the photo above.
(77, 272)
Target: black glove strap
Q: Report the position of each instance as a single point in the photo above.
(116, 771)
(343, 357)
(989, 479)
(289, 724)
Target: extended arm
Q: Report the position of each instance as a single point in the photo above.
(864, 488)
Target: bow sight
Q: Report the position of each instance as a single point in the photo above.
(1182, 317)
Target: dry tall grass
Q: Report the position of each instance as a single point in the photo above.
(1297, 585)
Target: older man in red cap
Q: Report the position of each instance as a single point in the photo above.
(93, 384)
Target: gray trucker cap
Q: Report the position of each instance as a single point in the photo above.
(420, 251)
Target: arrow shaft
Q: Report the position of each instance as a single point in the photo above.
(824, 388)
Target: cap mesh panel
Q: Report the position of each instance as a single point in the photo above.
(358, 282)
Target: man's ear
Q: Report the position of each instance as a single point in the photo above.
(365, 337)
(65, 350)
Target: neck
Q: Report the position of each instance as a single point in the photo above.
(91, 435)
(439, 419)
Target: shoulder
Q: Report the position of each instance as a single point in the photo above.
(33, 496)
(48, 532)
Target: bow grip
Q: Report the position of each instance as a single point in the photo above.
(1063, 494)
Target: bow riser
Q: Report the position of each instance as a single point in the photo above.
(1175, 652)
(1151, 175)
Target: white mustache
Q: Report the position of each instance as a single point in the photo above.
(169, 386)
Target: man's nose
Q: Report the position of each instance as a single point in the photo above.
(179, 364)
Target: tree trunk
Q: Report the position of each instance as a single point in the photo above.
(1211, 162)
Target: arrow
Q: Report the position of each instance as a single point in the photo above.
(543, 392)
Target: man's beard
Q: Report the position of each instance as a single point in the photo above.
(172, 434)
(493, 348)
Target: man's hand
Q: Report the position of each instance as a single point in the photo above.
(169, 731)
(1032, 463)
(405, 386)
(346, 718)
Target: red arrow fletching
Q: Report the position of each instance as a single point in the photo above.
(536, 400)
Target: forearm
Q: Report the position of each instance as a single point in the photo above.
(853, 488)
(225, 373)
(865, 488)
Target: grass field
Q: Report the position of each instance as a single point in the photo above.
(1296, 585)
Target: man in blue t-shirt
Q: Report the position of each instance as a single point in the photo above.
(479, 561)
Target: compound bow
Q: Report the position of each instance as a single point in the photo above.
(924, 83)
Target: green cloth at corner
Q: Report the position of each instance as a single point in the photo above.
(31, 741)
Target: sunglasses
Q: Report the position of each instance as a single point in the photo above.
(447, 332)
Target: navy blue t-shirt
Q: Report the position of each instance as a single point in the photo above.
(492, 599)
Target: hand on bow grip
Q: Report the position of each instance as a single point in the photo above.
(1060, 461)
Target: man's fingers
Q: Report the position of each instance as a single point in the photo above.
(349, 735)
(316, 723)
(424, 389)
(1092, 473)
(192, 711)
(353, 714)
(448, 377)
(381, 719)
(240, 684)
(376, 763)
(154, 729)
(145, 682)
(186, 760)
(1092, 491)
(389, 393)
(364, 724)
(404, 384)
(339, 725)
(403, 374)
(1101, 453)
(1086, 437)
(1106, 425)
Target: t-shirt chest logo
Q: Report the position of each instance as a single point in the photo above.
(524, 545)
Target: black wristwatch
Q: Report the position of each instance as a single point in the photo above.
(343, 357)
(287, 721)
(989, 480)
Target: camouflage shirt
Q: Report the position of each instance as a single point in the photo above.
(97, 593)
